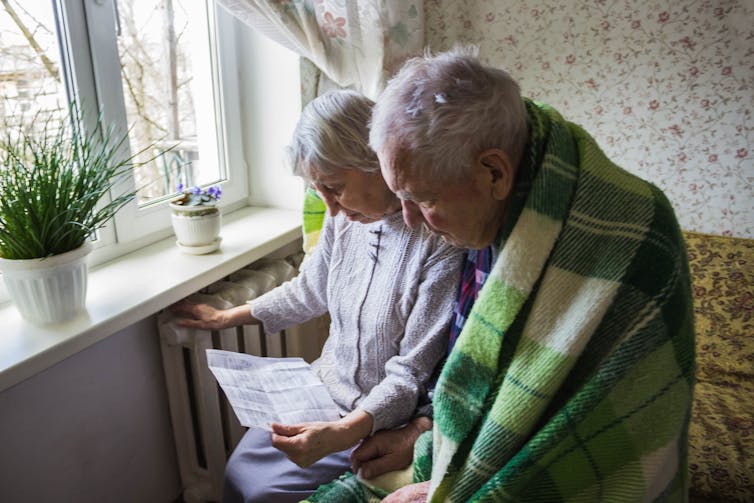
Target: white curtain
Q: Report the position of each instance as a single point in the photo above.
(356, 43)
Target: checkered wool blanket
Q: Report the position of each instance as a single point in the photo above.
(572, 378)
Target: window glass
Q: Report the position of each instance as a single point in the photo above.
(162, 45)
(31, 89)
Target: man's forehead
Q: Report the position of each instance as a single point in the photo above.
(404, 178)
(418, 186)
(409, 184)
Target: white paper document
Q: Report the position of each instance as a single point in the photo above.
(263, 390)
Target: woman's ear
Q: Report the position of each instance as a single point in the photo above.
(500, 170)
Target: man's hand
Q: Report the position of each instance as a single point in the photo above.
(306, 443)
(388, 450)
(204, 316)
(413, 493)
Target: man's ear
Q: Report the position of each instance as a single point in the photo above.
(501, 172)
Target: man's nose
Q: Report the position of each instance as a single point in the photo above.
(411, 214)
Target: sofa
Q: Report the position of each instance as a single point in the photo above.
(721, 434)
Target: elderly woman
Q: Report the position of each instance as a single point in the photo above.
(389, 291)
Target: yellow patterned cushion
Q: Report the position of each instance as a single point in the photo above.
(721, 435)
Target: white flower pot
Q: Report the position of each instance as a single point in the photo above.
(197, 228)
(51, 289)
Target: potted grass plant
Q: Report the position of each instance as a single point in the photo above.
(58, 185)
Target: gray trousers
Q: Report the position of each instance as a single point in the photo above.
(257, 472)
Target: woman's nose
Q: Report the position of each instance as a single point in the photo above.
(332, 205)
(411, 214)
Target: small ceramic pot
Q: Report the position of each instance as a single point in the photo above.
(196, 227)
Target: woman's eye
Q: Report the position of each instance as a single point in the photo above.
(334, 191)
(427, 204)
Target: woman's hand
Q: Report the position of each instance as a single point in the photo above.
(306, 443)
(388, 450)
(204, 316)
(412, 493)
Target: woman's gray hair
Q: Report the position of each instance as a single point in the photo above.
(446, 109)
(333, 134)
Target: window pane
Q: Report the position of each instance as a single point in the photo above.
(167, 85)
(31, 90)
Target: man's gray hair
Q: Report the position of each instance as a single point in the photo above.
(446, 109)
(332, 133)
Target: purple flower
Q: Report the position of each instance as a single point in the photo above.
(214, 192)
(180, 187)
(197, 196)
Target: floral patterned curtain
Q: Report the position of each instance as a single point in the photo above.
(356, 43)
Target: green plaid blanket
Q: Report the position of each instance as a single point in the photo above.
(573, 376)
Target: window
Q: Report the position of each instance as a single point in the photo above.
(30, 83)
(152, 67)
(160, 43)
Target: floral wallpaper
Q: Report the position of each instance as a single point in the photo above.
(665, 86)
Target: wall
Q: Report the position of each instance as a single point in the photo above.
(271, 105)
(93, 428)
(666, 87)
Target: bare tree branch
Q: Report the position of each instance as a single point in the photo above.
(48, 64)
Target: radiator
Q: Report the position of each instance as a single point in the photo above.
(205, 428)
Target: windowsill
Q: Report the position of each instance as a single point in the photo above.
(138, 285)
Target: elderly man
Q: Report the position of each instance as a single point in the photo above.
(572, 376)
